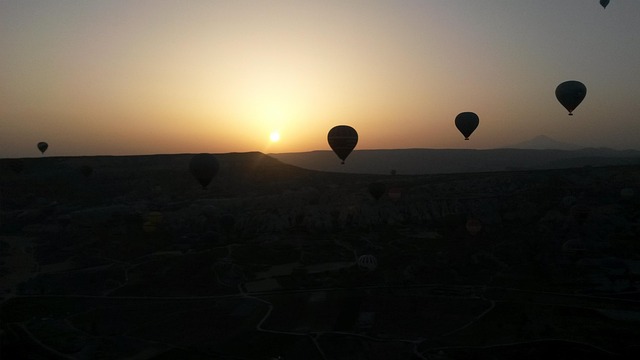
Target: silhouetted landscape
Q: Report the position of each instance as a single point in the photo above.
(486, 254)
(440, 161)
(415, 180)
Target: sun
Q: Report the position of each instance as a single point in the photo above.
(274, 136)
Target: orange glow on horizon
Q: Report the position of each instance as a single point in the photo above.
(131, 78)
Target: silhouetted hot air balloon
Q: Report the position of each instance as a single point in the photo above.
(377, 189)
(343, 140)
(604, 3)
(570, 94)
(43, 146)
(467, 122)
(204, 167)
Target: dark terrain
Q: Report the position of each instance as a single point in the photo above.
(135, 260)
(448, 161)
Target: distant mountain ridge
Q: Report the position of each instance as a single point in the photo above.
(442, 161)
(543, 142)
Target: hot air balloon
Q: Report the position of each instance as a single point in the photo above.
(570, 94)
(604, 3)
(343, 140)
(43, 146)
(204, 167)
(377, 189)
(467, 122)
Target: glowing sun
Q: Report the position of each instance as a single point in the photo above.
(274, 136)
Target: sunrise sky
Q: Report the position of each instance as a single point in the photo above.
(158, 76)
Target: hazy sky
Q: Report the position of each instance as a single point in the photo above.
(158, 76)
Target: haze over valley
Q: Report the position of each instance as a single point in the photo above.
(540, 152)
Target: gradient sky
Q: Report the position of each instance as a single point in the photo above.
(158, 76)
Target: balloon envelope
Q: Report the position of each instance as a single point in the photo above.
(342, 140)
(570, 94)
(377, 189)
(43, 146)
(466, 123)
(604, 3)
(204, 167)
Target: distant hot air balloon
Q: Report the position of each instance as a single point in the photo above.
(43, 146)
(467, 122)
(204, 167)
(570, 94)
(604, 3)
(343, 140)
(377, 189)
